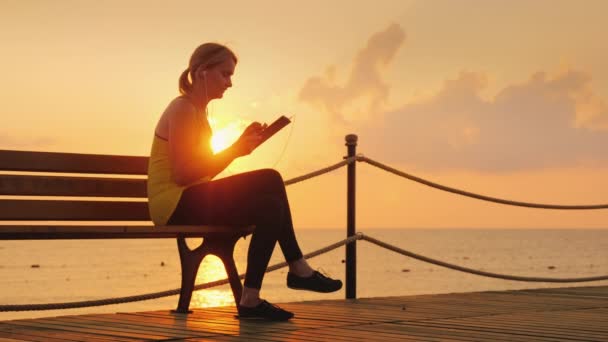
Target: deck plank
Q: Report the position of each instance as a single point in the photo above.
(29, 333)
(556, 314)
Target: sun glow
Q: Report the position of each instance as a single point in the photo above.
(213, 270)
(225, 136)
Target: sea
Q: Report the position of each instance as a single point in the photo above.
(35, 272)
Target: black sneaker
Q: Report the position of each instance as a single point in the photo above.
(264, 310)
(317, 282)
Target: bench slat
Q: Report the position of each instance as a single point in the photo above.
(45, 232)
(20, 210)
(72, 162)
(28, 185)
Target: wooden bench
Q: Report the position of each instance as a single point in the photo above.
(38, 187)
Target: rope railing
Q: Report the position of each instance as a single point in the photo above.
(156, 295)
(319, 172)
(477, 196)
(358, 236)
(478, 272)
(362, 158)
(349, 240)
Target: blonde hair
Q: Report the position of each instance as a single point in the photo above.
(206, 56)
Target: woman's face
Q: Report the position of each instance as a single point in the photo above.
(219, 78)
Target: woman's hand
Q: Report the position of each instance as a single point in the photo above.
(250, 139)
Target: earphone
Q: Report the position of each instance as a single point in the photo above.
(206, 97)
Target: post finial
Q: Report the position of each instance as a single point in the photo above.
(351, 139)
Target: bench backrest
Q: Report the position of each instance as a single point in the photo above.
(90, 187)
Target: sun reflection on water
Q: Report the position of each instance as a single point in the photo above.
(212, 269)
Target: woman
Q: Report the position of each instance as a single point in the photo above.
(181, 190)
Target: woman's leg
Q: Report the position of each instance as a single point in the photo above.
(256, 197)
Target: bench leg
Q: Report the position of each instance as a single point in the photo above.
(190, 262)
(223, 248)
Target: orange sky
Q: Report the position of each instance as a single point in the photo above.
(509, 99)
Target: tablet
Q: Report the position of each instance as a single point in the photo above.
(274, 127)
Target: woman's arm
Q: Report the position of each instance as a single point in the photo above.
(192, 161)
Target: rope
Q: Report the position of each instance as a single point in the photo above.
(351, 239)
(477, 272)
(474, 195)
(321, 171)
(155, 295)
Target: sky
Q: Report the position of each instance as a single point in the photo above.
(503, 98)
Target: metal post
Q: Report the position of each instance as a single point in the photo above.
(351, 249)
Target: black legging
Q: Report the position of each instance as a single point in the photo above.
(256, 197)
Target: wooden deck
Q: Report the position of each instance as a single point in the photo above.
(563, 314)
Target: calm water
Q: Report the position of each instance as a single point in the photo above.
(85, 270)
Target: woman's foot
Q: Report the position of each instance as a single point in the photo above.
(317, 282)
(264, 310)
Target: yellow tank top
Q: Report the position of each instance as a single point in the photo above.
(163, 193)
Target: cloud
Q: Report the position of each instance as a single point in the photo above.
(545, 121)
(548, 120)
(365, 87)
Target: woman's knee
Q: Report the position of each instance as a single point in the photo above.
(272, 178)
(271, 173)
